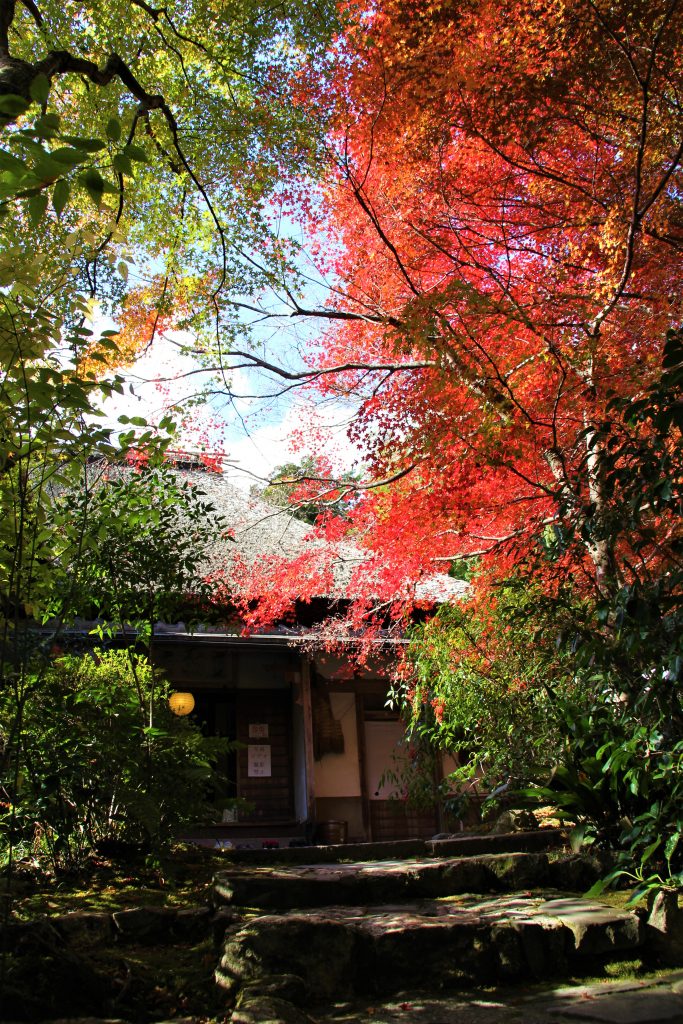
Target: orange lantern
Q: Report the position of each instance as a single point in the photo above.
(181, 703)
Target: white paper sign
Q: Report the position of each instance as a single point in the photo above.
(258, 760)
(258, 730)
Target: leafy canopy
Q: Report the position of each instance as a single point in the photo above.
(501, 206)
(162, 139)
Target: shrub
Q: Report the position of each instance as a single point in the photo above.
(95, 769)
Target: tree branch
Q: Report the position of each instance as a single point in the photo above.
(32, 9)
(16, 77)
(7, 10)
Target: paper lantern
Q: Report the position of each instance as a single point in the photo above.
(181, 703)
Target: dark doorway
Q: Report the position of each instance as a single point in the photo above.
(215, 713)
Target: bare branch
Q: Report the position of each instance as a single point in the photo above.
(310, 375)
(494, 542)
(157, 13)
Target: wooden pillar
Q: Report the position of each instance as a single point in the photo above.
(360, 732)
(309, 760)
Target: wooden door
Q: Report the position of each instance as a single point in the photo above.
(385, 756)
(264, 720)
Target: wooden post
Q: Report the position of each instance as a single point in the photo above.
(360, 733)
(309, 760)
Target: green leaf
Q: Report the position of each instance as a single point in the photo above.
(639, 894)
(603, 883)
(69, 156)
(9, 162)
(597, 889)
(60, 196)
(47, 126)
(36, 206)
(671, 844)
(108, 188)
(113, 129)
(577, 837)
(122, 164)
(12, 105)
(136, 153)
(39, 89)
(47, 170)
(122, 268)
(88, 145)
(93, 182)
(649, 850)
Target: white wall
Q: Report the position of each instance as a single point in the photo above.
(382, 754)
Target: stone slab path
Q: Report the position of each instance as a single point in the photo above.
(282, 886)
(459, 845)
(341, 951)
(650, 1001)
(433, 939)
(639, 1002)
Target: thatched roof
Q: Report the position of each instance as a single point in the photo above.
(262, 530)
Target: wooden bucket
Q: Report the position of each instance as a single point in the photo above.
(333, 833)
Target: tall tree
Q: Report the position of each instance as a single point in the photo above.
(104, 162)
(131, 135)
(176, 121)
(504, 222)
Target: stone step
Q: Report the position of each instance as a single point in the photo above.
(371, 882)
(461, 845)
(339, 952)
(245, 836)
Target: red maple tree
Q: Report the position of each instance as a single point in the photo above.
(504, 223)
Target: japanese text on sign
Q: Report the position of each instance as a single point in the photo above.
(258, 730)
(258, 760)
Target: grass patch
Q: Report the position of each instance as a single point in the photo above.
(157, 982)
(108, 885)
(133, 982)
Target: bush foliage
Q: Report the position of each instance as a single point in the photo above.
(94, 771)
(576, 694)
